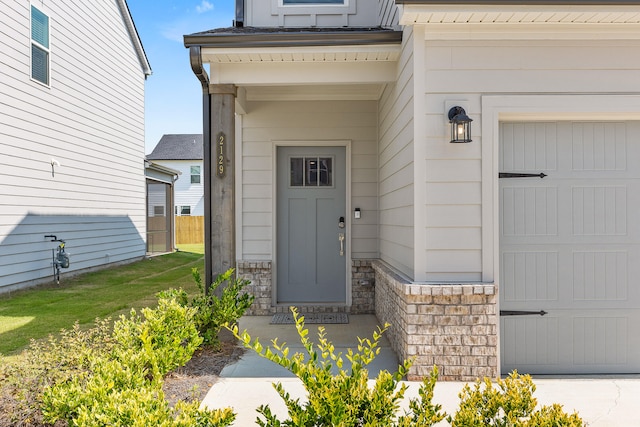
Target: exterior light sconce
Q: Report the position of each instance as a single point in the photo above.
(460, 125)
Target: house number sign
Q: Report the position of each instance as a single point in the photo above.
(221, 149)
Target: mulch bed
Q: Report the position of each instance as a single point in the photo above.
(192, 381)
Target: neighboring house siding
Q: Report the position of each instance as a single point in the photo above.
(306, 122)
(91, 120)
(454, 170)
(268, 13)
(388, 13)
(186, 193)
(396, 151)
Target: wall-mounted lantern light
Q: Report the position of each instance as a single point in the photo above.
(460, 125)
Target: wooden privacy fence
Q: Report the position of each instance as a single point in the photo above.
(189, 230)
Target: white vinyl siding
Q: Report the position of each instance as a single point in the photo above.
(396, 151)
(91, 122)
(186, 192)
(307, 122)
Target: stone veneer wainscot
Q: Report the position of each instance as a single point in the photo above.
(453, 326)
(259, 275)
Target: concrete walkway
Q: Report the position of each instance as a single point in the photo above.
(247, 384)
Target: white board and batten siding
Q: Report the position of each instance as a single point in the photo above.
(90, 120)
(270, 123)
(187, 193)
(388, 13)
(396, 152)
(272, 13)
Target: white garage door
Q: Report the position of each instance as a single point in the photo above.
(570, 247)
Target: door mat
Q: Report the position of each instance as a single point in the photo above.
(311, 318)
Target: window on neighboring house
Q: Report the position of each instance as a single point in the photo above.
(285, 2)
(39, 46)
(195, 174)
(185, 210)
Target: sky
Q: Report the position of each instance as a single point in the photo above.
(173, 95)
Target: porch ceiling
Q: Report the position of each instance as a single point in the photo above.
(305, 72)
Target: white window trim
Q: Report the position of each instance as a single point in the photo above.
(199, 174)
(279, 8)
(345, 3)
(32, 42)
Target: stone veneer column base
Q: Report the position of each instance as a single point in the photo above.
(453, 326)
(259, 275)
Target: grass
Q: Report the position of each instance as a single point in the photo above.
(196, 248)
(39, 312)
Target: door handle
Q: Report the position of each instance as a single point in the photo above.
(341, 239)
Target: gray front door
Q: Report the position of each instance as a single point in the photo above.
(311, 241)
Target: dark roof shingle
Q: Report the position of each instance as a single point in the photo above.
(178, 147)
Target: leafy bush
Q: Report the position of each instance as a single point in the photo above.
(163, 341)
(344, 399)
(48, 362)
(213, 312)
(123, 387)
(509, 404)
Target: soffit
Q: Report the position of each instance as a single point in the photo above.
(308, 54)
(610, 13)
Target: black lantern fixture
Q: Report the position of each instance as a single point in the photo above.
(460, 125)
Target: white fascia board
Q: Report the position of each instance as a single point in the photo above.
(303, 73)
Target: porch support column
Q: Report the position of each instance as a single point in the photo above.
(218, 137)
(220, 244)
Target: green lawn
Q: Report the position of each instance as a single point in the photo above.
(38, 312)
(196, 248)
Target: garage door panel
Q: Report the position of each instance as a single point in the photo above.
(566, 342)
(600, 276)
(530, 276)
(529, 211)
(529, 147)
(529, 341)
(599, 210)
(600, 341)
(570, 245)
(599, 146)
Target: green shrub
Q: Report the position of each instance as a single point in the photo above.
(344, 399)
(212, 312)
(123, 387)
(48, 362)
(164, 339)
(509, 404)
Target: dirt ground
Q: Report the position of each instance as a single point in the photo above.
(193, 381)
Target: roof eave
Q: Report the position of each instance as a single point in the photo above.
(352, 38)
(135, 37)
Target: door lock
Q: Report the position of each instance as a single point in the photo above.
(341, 222)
